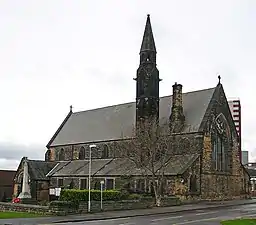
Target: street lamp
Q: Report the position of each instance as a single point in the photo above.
(101, 193)
(89, 177)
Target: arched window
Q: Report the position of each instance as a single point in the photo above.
(105, 152)
(184, 145)
(82, 153)
(62, 155)
(48, 155)
(20, 178)
(220, 144)
(192, 183)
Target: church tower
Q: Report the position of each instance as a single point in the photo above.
(147, 80)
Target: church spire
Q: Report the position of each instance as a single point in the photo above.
(147, 79)
(148, 43)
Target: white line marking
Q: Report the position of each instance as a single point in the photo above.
(126, 223)
(166, 218)
(205, 213)
(195, 221)
(107, 220)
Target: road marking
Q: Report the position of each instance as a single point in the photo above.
(195, 221)
(205, 213)
(107, 220)
(234, 209)
(126, 223)
(166, 218)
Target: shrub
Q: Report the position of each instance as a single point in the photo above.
(75, 195)
(134, 197)
(62, 204)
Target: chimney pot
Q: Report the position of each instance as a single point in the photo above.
(177, 117)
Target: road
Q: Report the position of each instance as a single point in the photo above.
(197, 217)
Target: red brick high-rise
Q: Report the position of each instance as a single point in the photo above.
(235, 108)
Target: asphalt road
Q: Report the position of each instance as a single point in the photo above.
(199, 217)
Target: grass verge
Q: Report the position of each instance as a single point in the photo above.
(239, 222)
(11, 215)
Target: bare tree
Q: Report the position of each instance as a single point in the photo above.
(150, 151)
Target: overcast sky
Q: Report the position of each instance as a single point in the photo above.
(85, 53)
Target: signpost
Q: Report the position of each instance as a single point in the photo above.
(101, 193)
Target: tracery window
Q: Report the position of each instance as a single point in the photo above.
(105, 152)
(62, 155)
(220, 144)
(193, 183)
(184, 145)
(82, 153)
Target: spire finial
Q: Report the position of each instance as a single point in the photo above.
(71, 107)
(148, 43)
(219, 77)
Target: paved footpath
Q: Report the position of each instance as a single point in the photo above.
(127, 213)
(210, 216)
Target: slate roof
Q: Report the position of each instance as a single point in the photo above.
(120, 166)
(117, 121)
(78, 167)
(38, 169)
(251, 172)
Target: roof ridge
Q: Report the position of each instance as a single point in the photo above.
(109, 106)
(37, 160)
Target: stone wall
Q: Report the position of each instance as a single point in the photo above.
(183, 143)
(181, 187)
(24, 208)
(126, 204)
(65, 208)
(218, 185)
(76, 181)
(71, 152)
(115, 205)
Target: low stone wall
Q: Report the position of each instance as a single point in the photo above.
(114, 205)
(62, 208)
(170, 201)
(24, 208)
(143, 203)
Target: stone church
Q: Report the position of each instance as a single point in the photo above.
(205, 164)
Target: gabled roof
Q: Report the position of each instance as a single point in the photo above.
(79, 167)
(177, 164)
(38, 169)
(251, 172)
(117, 121)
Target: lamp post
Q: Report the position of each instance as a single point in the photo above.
(101, 193)
(89, 177)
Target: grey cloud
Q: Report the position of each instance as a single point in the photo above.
(9, 164)
(11, 151)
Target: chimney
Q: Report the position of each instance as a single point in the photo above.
(177, 117)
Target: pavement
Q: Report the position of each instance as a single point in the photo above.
(146, 216)
(196, 217)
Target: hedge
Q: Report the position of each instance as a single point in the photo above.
(76, 195)
(61, 204)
